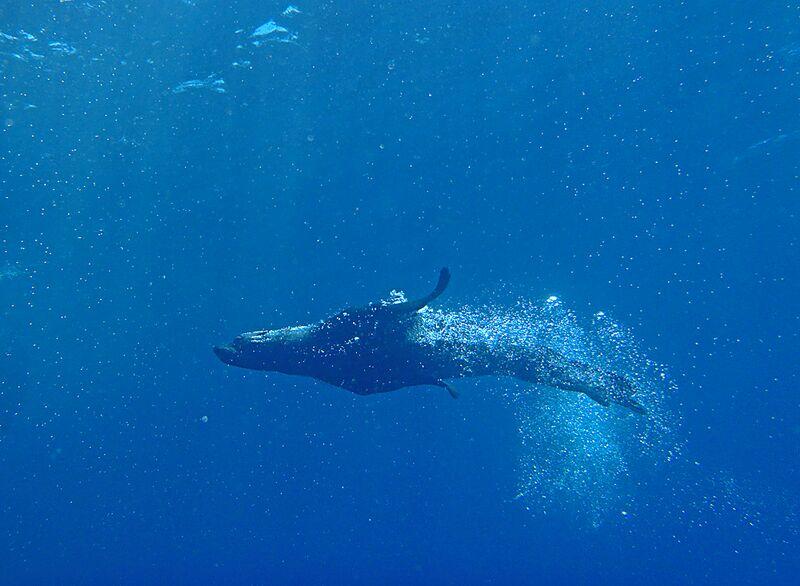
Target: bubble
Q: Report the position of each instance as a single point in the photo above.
(212, 82)
(269, 28)
(574, 455)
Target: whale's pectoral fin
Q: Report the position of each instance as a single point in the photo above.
(417, 304)
(450, 388)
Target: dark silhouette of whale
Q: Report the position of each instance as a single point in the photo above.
(378, 348)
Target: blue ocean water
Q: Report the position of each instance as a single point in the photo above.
(618, 180)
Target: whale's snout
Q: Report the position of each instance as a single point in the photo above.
(226, 353)
(266, 350)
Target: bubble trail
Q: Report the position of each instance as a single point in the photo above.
(575, 456)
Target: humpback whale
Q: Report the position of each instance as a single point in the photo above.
(378, 348)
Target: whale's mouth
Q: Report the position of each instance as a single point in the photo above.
(226, 353)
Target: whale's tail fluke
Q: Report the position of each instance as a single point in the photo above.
(544, 366)
(614, 389)
(622, 392)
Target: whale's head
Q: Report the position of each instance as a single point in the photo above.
(283, 350)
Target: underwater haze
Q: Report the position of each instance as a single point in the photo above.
(615, 181)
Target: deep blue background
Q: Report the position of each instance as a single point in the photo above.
(636, 157)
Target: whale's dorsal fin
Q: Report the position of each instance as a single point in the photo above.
(417, 304)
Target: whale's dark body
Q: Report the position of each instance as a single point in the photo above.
(375, 349)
